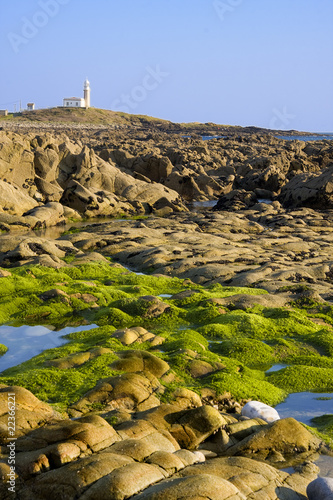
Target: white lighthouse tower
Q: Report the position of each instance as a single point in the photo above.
(86, 90)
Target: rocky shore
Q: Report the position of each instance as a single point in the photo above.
(149, 403)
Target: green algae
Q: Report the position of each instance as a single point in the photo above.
(245, 383)
(187, 339)
(242, 386)
(323, 339)
(250, 352)
(3, 349)
(266, 323)
(26, 286)
(113, 316)
(61, 387)
(227, 291)
(303, 378)
(111, 297)
(238, 380)
(323, 426)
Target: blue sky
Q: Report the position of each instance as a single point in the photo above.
(241, 62)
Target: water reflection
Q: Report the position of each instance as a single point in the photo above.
(276, 368)
(24, 342)
(303, 406)
(203, 204)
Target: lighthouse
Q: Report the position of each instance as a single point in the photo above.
(86, 90)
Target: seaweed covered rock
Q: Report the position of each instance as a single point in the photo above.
(140, 361)
(134, 391)
(77, 359)
(128, 336)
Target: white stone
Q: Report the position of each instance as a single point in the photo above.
(320, 489)
(256, 409)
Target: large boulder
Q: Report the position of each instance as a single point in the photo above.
(30, 412)
(16, 161)
(14, 200)
(309, 190)
(46, 162)
(196, 487)
(91, 431)
(277, 441)
(71, 480)
(93, 201)
(156, 168)
(128, 391)
(95, 179)
(192, 427)
(48, 215)
(235, 478)
(140, 361)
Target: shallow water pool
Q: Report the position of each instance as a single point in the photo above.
(25, 342)
(303, 406)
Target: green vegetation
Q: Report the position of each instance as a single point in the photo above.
(251, 352)
(303, 378)
(3, 349)
(80, 116)
(243, 385)
(226, 344)
(323, 426)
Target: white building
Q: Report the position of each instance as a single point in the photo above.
(30, 106)
(74, 102)
(79, 102)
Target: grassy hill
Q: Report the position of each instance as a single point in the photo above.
(93, 116)
(104, 118)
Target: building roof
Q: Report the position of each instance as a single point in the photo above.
(73, 99)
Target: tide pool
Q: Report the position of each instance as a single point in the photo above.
(25, 342)
(303, 406)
